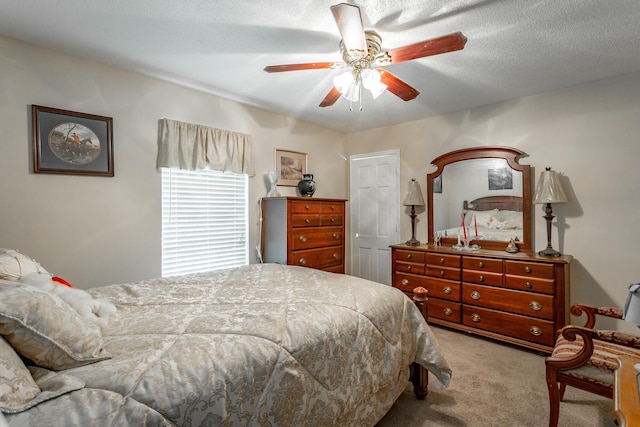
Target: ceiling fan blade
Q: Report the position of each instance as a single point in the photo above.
(331, 98)
(449, 43)
(349, 23)
(297, 67)
(396, 86)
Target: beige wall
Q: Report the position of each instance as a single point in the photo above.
(588, 133)
(94, 230)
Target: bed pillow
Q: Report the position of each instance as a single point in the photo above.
(484, 218)
(512, 219)
(17, 387)
(14, 265)
(46, 330)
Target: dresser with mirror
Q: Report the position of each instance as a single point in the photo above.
(478, 264)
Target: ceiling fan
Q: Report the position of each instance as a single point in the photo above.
(360, 52)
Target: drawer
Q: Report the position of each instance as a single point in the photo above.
(529, 269)
(305, 220)
(409, 267)
(445, 310)
(410, 256)
(545, 286)
(444, 289)
(304, 206)
(523, 327)
(482, 277)
(328, 219)
(450, 261)
(318, 258)
(332, 208)
(408, 282)
(307, 238)
(483, 264)
(518, 302)
(443, 272)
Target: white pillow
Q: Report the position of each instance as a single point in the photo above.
(17, 387)
(512, 219)
(14, 265)
(484, 218)
(46, 330)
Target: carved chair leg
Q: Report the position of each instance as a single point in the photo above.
(554, 396)
(563, 387)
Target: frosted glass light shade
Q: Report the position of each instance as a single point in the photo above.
(371, 81)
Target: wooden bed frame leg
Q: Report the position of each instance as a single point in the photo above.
(419, 375)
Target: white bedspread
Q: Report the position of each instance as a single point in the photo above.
(257, 345)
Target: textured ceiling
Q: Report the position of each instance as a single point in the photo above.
(515, 48)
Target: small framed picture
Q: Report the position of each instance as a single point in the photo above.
(500, 179)
(68, 142)
(292, 165)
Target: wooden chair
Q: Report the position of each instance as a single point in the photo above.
(586, 358)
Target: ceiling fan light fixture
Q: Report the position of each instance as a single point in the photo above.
(371, 80)
(347, 85)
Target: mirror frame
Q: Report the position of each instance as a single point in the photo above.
(511, 155)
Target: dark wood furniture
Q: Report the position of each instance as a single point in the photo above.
(626, 395)
(518, 298)
(586, 358)
(304, 231)
(466, 172)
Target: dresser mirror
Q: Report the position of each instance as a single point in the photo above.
(483, 194)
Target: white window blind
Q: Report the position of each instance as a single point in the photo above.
(204, 220)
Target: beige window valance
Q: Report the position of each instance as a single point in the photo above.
(187, 146)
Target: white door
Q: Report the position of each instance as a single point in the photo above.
(375, 210)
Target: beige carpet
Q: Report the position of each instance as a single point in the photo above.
(494, 384)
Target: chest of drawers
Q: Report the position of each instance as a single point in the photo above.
(304, 231)
(519, 298)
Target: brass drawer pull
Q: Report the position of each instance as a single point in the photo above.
(302, 261)
(475, 295)
(481, 264)
(336, 236)
(535, 331)
(404, 282)
(535, 306)
(475, 317)
(408, 268)
(528, 285)
(441, 273)
(527, 269)
(333, 208)
(333, 220)
(303, 239)
(481, 278)
(447, 290)
(307, 207)
(307, 221)
(441, 260)
(447, 311)
(336, 256)
(409, 256)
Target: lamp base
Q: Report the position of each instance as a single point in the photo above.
(412, 242)
(549, 251)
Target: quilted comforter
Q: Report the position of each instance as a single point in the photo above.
(257, 345)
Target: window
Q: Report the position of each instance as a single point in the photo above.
(204, 221)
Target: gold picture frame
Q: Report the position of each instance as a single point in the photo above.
(292, 165)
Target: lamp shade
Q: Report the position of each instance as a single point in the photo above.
(414, 197)
(632, 304)
(549, 189)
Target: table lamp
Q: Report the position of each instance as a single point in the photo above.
(413, 199)
(548, 191)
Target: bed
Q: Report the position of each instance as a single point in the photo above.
(262, 344)
(494, 217)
